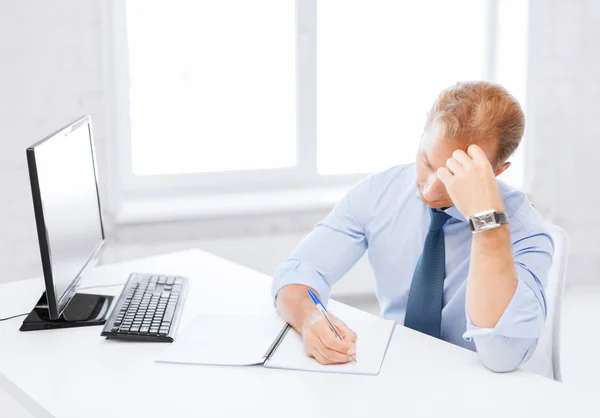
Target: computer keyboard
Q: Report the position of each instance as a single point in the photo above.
(148, 309)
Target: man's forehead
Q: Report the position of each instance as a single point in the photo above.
(436, 146)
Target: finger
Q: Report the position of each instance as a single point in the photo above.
(350, 337)
(347, 334)
(333, 357)
(454, 166)
(461, 156)
(332, 342)
(476, 153)
(317, 356)
(444, 175)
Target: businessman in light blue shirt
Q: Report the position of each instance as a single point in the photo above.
(456, 253)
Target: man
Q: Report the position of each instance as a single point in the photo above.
(456, 254)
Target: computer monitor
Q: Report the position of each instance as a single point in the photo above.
(68, 215)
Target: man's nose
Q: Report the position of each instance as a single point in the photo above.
(435, 189)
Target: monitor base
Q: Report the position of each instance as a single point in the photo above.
(83, 310)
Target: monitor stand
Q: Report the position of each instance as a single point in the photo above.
(83, 310)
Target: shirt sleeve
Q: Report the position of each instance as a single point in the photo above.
(332, 248)
(513, 340)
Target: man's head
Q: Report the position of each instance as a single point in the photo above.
(467, 113)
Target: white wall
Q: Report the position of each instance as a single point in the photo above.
(50, 74)
(563, 116)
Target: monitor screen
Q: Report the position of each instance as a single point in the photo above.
(70, 207)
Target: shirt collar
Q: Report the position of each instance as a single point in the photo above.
(452, 211)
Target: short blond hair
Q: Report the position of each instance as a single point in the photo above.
(479, 110)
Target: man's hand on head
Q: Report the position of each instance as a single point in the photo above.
(471, 182)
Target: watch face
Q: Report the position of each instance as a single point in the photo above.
(484, 222)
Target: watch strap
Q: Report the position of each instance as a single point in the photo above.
(501, 217)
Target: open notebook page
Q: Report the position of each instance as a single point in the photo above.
(215, 339)
(373, 338)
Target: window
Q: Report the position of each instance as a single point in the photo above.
(212, 85)
(380, 66)
(255, 93)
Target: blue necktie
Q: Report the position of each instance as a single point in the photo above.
(425, 298)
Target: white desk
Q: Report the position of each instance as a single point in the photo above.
(74, 373)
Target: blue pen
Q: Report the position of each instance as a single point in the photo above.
(323, 311)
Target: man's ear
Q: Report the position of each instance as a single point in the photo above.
(502, 168)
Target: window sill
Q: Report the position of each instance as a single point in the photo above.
(150, 210)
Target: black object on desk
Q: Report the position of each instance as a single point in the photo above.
(148, 309)
(83, 310)
(70, 229)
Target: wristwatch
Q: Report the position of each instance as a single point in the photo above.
(488, 219)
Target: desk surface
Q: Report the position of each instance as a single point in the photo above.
(74, 373)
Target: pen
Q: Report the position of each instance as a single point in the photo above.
(323, 311)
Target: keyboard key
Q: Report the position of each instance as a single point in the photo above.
(169, 313)
(144, 329)
(178, 280)
(170, 280)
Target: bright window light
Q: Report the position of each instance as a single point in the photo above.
(381, 63)
(212, 85)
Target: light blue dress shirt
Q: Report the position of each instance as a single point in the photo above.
(384, 214)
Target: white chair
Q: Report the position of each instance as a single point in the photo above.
(546, 358)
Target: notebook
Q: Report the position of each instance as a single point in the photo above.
(265, 339)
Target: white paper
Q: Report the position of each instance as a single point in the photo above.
(225, 339)
(373, 338)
